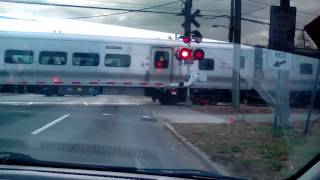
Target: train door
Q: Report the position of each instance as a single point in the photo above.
(161, 64)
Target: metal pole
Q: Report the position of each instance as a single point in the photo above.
(187, 13)
(236, 57)
(189, 102)
(313, 98)
(277, 105)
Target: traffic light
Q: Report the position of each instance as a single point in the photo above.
(198, 54)
(187, 54)
(186, 39)
(184, 54)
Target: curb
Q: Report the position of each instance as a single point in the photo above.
(215, 167)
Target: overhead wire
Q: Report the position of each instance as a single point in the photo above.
(143, 10)
(112, 14)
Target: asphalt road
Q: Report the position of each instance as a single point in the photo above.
(105, 130)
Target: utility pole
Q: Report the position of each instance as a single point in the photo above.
(231, 26)
(236, 55)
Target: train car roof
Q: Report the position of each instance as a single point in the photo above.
(130, 40)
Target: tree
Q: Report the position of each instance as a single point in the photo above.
(303, 40)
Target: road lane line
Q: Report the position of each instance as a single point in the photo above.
(146, 117)
(138, 163)
(84, 103)
(106, 114)
(30, 103)
(63, 103)
(50, 124)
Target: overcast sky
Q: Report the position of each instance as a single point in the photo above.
(252, 33)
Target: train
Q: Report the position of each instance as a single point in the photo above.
(65, 64)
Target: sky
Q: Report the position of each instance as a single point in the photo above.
(67, 19)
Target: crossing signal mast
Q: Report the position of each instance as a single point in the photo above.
(189, 19)
(187, 53)
(189, 35)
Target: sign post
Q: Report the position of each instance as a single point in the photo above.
(281, 62)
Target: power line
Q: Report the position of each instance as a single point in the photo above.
(100, 8)
(89, 7)
(251, 20)
(112, 14)
(299, 11)
(124, 3)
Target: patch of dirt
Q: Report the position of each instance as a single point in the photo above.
(244, 109)
(254, 150)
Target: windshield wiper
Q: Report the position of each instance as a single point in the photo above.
(11, 158)
(185, 173)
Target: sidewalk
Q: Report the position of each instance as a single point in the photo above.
(186, 115)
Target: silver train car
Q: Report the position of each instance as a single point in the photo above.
(59, 64)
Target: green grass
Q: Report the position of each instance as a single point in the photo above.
(253, 149)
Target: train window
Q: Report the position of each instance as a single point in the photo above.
(117, 60)
(85, 59)
(206, 64)
(242, 62)
(161, 59)
(306, 69)
(52, 58)
(18, 57)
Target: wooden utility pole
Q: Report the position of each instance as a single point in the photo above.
(236, 55)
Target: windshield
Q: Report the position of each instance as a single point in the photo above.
(205, 87)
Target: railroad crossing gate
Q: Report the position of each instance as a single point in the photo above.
(279, 60)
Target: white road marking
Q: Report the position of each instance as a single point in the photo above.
(30, 103)
(138, 163)
(84, 103)
(50, 124)
(106, 114)
(23, 111)
(146, 117)
(63, 103)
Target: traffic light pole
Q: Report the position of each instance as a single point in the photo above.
(189, 102)
(236, 56)
(187, 27)
(190, 18)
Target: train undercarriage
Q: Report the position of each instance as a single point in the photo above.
(166, 96)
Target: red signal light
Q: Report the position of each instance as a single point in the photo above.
(184, 54)
(56, 79)
(159, 64)
(198, 54)
(186, 39)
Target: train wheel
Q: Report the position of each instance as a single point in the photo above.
(60, 94)
(163, 100)
(168, 99)
(154, 99)
(49, 91)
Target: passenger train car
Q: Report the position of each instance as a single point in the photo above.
(60, 64)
